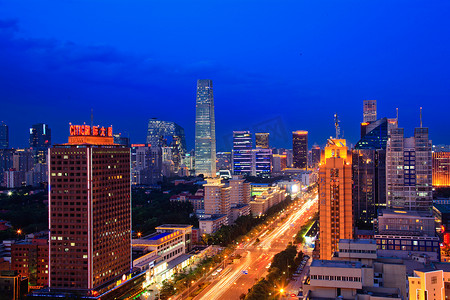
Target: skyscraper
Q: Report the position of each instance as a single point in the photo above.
(40, 141)
(441, 168)
(409, 171)
(205, 130)
(262, 140)
(315, 156)
(89, 211)
(335, 197)
(165, 133)
(242, 153)
(261, 162)
(370, 111)
(300, 149)
(4, 136)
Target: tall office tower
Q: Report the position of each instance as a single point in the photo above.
(335, 197)
(4, 136)
(205, 130)
(409, 171)
(262, 140)
(315, 155)
(40, 141)
(223, 160)
(146, 164)
(300, 149)
(165, 133)
(240, 190)
(217, 198)
(121, 140)
(370, 111)
(441, 168)
(89, 211)
(261, 162)
(279, 162)
(241, 154)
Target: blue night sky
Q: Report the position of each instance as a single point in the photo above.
(275, 65)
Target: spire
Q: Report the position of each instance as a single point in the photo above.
(92, 117)
(336, 125)
(420, 117)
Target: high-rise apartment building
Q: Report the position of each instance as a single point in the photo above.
(240, 191)
(89, 212)
(300, 149)
(205, 130)
(335, 197)
(242, 153)
(370, 110)
(4, 136)
(40, 141)
(441, 168)
(262, 140)
(409, 170)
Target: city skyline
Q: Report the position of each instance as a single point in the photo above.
(347, 64)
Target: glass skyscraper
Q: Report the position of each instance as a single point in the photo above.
(205, 130)
(40, 141)
(242, 153)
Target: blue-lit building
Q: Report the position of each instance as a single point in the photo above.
(369, 168)
(242, 153)
(261, 162)
(205, 130)
(40, 141)
(4, 136)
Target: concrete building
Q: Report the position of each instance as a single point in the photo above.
(441, 169)
(335, 197)
(409, 171)
(217, 198)
(146, 164)
(261, 162)
(205, 130)
(370, 111)
(212, 223)
(431, 282)
(240, 191)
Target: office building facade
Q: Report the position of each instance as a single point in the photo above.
(300, 149)
(335, 197)
(205, 130)
(370, 110)
(89, 211)
(40, 141)
(242, 153)
(409, 171)
(441, 168)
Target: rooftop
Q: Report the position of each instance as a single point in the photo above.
(178, 226)
(335, 264)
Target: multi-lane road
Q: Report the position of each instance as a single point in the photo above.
(237, 278)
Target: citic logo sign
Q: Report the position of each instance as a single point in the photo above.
(82, 130)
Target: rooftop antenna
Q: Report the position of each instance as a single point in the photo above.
(420, 117)
(336, 125)
(92, 117)
(397, 114)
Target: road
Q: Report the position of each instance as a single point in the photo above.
(233, 282)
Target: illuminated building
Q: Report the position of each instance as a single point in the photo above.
(409, 170)
(89, 212)
(4, 136)
(223, 160)
(279, 162)
(441, 169)
(261, 162)
(262, 140)
(242, 153)
(432, 282)
(205, 130)
(217, 199)
(146, 164)
(335, 197)
(315, 156)
(269, 197)
(300, 149)
(240, 191)
(40, 141)
(370, 110)
(121, 140)
(30, 259)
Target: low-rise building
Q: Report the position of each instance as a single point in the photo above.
(270, 197)
(212, 223)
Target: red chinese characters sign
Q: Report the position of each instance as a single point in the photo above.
(84, 130)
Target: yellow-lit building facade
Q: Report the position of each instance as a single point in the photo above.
(429, 285)
(335, 197)
(441, 169)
